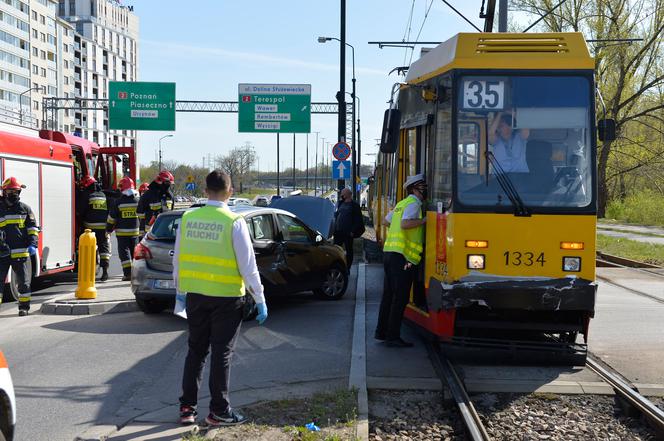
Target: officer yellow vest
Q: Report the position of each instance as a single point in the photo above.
(207, 263)
(405, 242)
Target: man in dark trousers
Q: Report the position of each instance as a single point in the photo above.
(122, 218)
(348, 223)
(402, 253)
(93, 211)
(19, 238)
(155, 200)
(214, 260)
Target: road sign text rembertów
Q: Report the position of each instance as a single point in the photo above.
(274, 108)
(137, 105)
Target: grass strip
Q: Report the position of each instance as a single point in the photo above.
(631, 249)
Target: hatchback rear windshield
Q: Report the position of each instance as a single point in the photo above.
(166, 227)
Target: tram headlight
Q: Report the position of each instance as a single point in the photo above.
(572, 264)
(476, 261)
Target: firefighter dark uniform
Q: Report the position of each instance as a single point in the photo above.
(123, 219)
(19, 238)
(94, 213)
(154, 201)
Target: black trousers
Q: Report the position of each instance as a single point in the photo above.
(396, 289)
(347, 243)
(126, 245)
(22, 272)
(213, 322)
(104, 248)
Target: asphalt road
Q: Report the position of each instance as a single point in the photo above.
(74, 372)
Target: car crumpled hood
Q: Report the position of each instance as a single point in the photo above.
(317, 213)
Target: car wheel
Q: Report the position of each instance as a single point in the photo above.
(150, 306)
(334, 284)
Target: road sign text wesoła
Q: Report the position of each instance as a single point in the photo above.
(134, 105)
(274, 108)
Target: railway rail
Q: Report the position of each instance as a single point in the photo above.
(475, 428)
(608, 260)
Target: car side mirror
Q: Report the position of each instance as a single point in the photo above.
(606, 129)
(389, 138)
(319, 239)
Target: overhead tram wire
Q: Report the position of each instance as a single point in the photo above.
(462, 16)
(426, 15)
(406, 32)
(543, 17)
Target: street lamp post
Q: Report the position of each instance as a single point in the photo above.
(316, 167)
(353, 96)
(20, 101)
(166, 136)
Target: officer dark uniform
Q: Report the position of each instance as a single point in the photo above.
(93, 210)
(19, 238)
(123, 219)
(155, 200)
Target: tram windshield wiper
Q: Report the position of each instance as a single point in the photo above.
(508, 187)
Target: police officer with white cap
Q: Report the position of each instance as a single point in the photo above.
(402, 252)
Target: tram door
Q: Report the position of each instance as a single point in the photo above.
(415, 140)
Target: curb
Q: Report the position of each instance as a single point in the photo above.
(59, 306)
(358, 362)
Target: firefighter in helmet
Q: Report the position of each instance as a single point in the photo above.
(143, 188)
(155, 200)
(19, 238)
(122, 218)
(93, 211)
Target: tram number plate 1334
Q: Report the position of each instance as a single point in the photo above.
(517, 258)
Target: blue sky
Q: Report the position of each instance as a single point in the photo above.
(207, 47)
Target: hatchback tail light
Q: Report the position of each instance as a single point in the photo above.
(142, 252)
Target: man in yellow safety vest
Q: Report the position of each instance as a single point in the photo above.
(214, 259)
(402, 252)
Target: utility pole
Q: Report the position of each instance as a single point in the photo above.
(293, 161)
(502, 16)
(316, 167)
(306, 166)
(359, 141)
(341, 96)
(278, 165)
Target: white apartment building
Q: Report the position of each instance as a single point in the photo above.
(105, 49)
(15, 77)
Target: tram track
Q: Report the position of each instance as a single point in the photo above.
(624, 390)
(608, 260)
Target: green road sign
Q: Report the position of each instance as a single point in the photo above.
(274, 108)
(141, 106)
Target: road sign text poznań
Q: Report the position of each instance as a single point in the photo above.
(274, 108)
(141, 106)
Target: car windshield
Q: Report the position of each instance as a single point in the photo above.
(166, 227)
(531, 133)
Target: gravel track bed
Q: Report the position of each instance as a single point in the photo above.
(418, 415)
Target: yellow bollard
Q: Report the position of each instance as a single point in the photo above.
(87, 262)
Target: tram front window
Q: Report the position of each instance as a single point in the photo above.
(533, 130)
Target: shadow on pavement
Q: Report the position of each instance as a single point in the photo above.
(137, 324)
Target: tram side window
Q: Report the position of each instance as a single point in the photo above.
(442, 168)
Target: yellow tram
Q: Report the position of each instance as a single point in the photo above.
(503, 126)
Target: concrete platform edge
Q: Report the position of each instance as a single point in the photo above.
(358, 362)
(57, 306)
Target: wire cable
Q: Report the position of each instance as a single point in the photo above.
(426, 14)
(408, 30)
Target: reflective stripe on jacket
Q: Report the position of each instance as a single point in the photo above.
(207, 263)
(19, 229)
(96, 211)
(122, 217)
(407, 242)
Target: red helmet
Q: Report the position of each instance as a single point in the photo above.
(87, 181)
(126, 183)
(143, 188)
(164, 176)
(11, 183)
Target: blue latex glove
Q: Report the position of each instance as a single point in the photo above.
(262, 313)
(32, 250)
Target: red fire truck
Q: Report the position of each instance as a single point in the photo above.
(51, 166)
